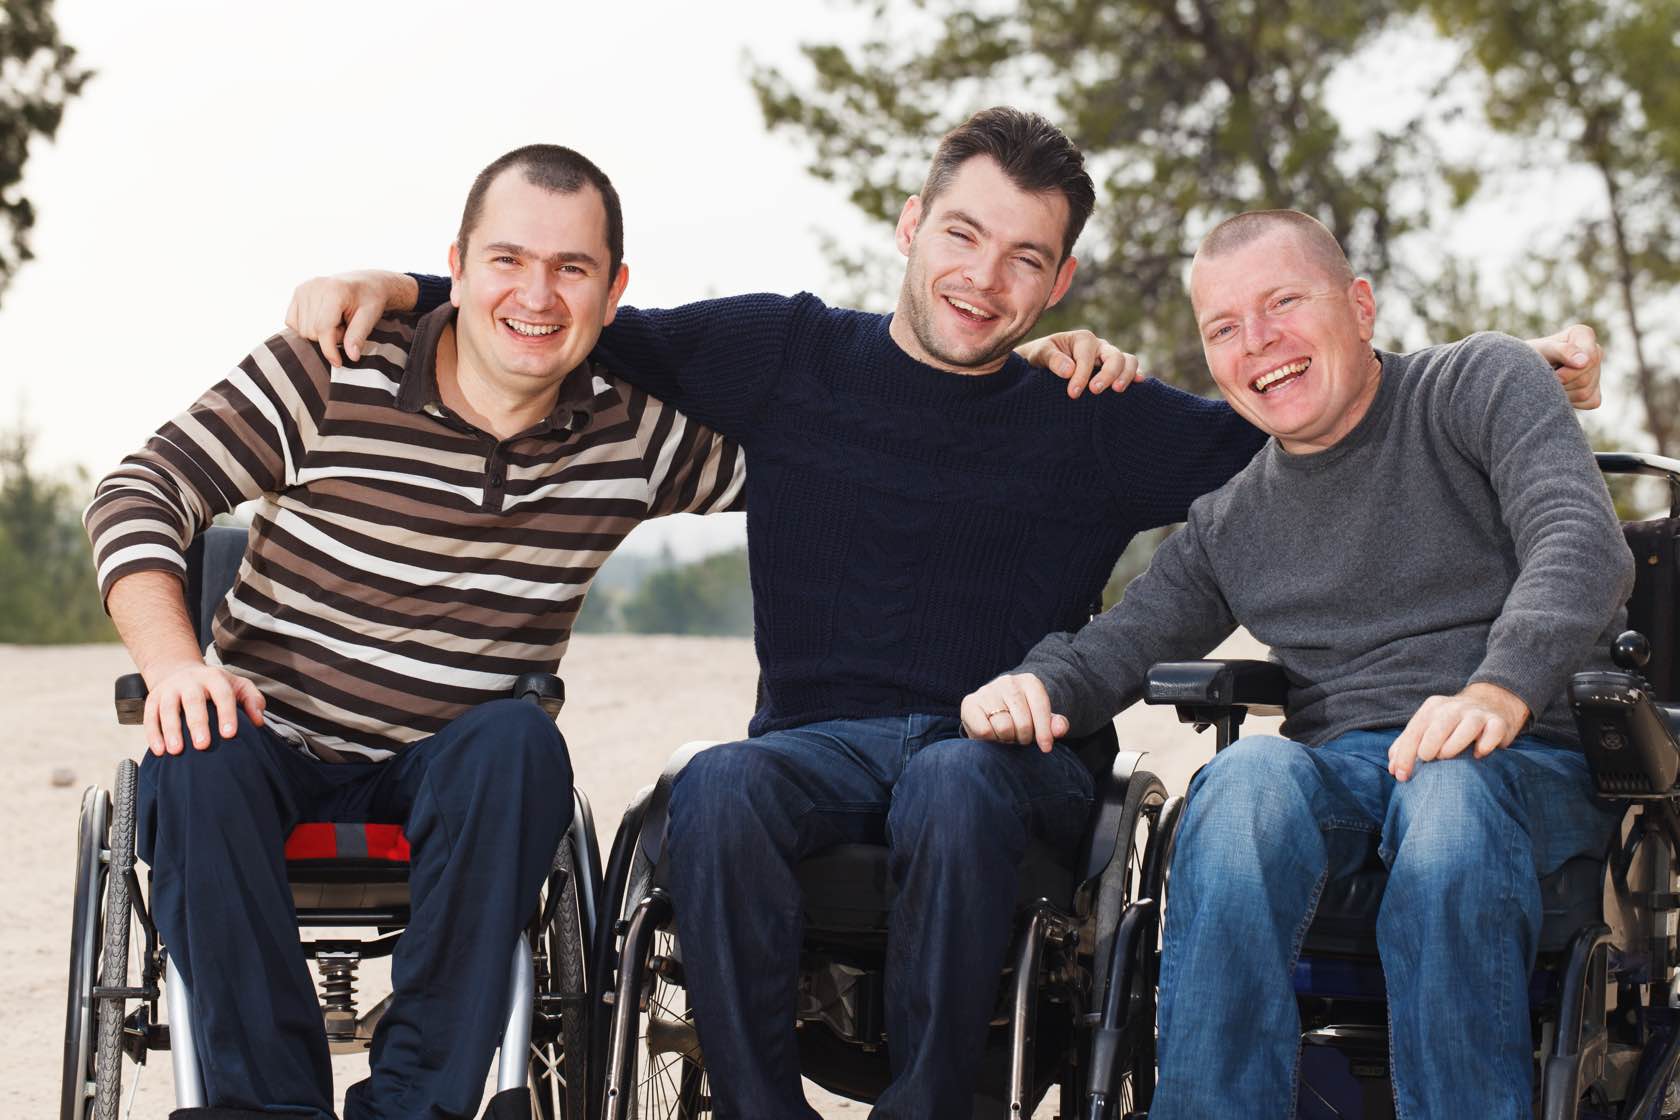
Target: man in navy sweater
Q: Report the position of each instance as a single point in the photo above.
(922, 507)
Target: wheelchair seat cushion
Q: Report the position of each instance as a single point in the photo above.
(330, 840)
(340, 867)
(1571, 898)
(848, 889)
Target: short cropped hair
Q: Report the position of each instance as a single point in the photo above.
(553, 168)
(1244, 229)
(1035, 155)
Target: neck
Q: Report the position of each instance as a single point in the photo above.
(1350, 419)
(501, 410)
(904, 336)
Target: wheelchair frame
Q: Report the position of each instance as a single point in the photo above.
(1593, 1058)
(546, 1022)
(1057, 1000)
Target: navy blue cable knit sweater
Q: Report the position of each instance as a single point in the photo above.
(913, 532)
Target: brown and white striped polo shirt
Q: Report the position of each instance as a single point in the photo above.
(403, 566)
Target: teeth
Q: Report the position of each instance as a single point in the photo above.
(1266, 382)
(532, 330)
(968, 307)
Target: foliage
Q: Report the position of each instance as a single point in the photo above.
(708, 596)
(1595, 79)
(38, 76)
(47, 589)
(1187, 111)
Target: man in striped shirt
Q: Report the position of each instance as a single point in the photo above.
(427, 524)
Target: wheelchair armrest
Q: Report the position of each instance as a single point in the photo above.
(1629, 739)
(1201, 689)
(545, 690)
(131, 698)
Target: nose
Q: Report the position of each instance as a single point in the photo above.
(536, 289)
(982, 271)
(1259, 332)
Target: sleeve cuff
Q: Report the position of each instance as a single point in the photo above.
(434, 291)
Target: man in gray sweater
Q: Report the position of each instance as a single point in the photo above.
(1429, 550)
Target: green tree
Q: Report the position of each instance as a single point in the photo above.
(1187, 111)
(38, 76)
(1596, 79)
(709, 596)
(47, 590)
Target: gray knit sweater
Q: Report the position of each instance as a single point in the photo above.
(1460, 533)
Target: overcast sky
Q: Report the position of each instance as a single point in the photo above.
(224, 152)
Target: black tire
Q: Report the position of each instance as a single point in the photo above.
(559, 1060)
(113, 954)
(85, 936)
(1123, 882)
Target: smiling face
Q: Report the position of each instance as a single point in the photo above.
(1287, 342)
(984, 263)
(532, 286)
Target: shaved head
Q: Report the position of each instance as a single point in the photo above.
(1318, 242)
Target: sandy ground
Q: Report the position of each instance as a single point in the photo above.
(631, 701)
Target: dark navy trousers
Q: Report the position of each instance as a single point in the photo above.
(484, 804)
(957, 814)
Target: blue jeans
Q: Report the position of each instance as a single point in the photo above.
(957, 815)
(483, 803)
(1466, 841)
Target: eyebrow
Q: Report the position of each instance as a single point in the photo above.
(969, 219)
(563, 257)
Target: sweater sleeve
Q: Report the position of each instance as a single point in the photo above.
(244, 437)
(716, 360)
(1504, 409)
(1173, 610)
(1162, 448)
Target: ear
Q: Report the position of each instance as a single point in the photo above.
(1064, 278)
(1364, 302)
(909, 221)
(615, 291)
(455, 273)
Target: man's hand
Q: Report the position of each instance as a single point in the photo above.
(1576, 355)
(1013, 709)
(321, 308)
(1483, 715)
(1075, 356)
(189, 689)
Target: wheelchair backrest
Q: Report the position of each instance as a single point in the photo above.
(212, 563)
(1653, 607)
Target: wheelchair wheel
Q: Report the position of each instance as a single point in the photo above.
(671, 1078)
(559, 1073)
(1125, 962)
(113, 955)
(84, 953)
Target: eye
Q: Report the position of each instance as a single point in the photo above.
(1220, 332)
(504, 258)
(1030, 262)
(961, 235)
(573, 270)
(1283, 301)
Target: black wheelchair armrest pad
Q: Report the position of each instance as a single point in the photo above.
(1213, 684)
(652, 838)
(131, 698)
(545, 690)
(1629, 739)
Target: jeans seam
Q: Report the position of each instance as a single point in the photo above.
(1295, 959)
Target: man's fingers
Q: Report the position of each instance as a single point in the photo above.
(1038, 705)
(1402, 753)
(974, 721)
(1119, 369)
(361, 325)
(1467, 732)
(220, 692)
(1493, 734)
(154, 735)
(328, 342)
(1019, 715)
(197, 715)
(251, 700)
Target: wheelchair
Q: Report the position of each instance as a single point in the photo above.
(1058, 1021)
(1604, 999)
(342, 877)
